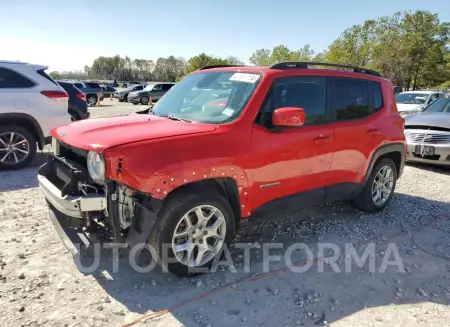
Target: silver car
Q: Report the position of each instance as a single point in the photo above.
(122, 94)
(428, 133)
(411, 102)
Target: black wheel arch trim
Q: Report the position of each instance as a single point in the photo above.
(22, 116)
(382, 151)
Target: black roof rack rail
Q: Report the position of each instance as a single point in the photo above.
(220, 66)
(305, 64)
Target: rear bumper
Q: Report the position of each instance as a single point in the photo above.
(441, 154)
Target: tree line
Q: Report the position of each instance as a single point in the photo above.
(412, 49)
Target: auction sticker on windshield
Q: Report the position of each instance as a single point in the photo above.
(228, 112)
(243, 77)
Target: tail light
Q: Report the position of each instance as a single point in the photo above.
(57, 95)
(81, 96)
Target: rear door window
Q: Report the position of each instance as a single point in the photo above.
(158, 87)
(167, 87)
(349, 98)
(10, 79)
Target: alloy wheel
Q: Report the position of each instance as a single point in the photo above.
(382, 185)
(199, 235)
(91, 101)
(14, 148)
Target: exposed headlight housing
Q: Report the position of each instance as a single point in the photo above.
(96, 167)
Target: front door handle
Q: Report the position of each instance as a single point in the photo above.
(373, 131)
(323, 139)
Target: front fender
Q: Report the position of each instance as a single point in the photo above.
(158, 167)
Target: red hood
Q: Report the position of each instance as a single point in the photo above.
(103, 133)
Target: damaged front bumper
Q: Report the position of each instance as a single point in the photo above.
(81, 210)
(72, 206)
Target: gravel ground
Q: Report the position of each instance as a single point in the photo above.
(41, 286)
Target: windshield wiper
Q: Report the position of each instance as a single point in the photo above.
(173, 117)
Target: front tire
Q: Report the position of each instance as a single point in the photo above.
(144, 101)
(379, 188)
(192, 229)
(17, 147)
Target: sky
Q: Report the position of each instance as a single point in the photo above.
(67, 35)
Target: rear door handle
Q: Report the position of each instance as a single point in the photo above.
(323, 139)
(373, 131)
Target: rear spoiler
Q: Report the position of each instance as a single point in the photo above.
(40, 67)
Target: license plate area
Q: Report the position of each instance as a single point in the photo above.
(425, 150)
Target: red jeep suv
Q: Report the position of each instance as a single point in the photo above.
(222, 143)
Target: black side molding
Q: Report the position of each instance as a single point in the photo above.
(383, 150)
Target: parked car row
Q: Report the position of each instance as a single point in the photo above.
(30, 99)
(141, 94)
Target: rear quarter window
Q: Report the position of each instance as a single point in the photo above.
(10, 79)
(46, 76)
(377, 95)
(349, 98)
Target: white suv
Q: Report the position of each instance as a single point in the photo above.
(31, 104)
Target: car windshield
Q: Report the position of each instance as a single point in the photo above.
(440, 105)
(208, 97)
(411, 98)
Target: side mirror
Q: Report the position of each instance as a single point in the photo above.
(288, 117)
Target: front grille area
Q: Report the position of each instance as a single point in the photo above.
(74, 154)
(427, 138)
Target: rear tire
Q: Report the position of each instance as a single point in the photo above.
(144, 101)
(174, 212)
(374, 198)
(74, 116)
(23, 141)
(92, 100)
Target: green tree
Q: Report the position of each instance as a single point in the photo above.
(266, 57)
(202, 60)
(232, 60)
(303, 54)
(261, 57)
(56, 75)
(354, 46)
